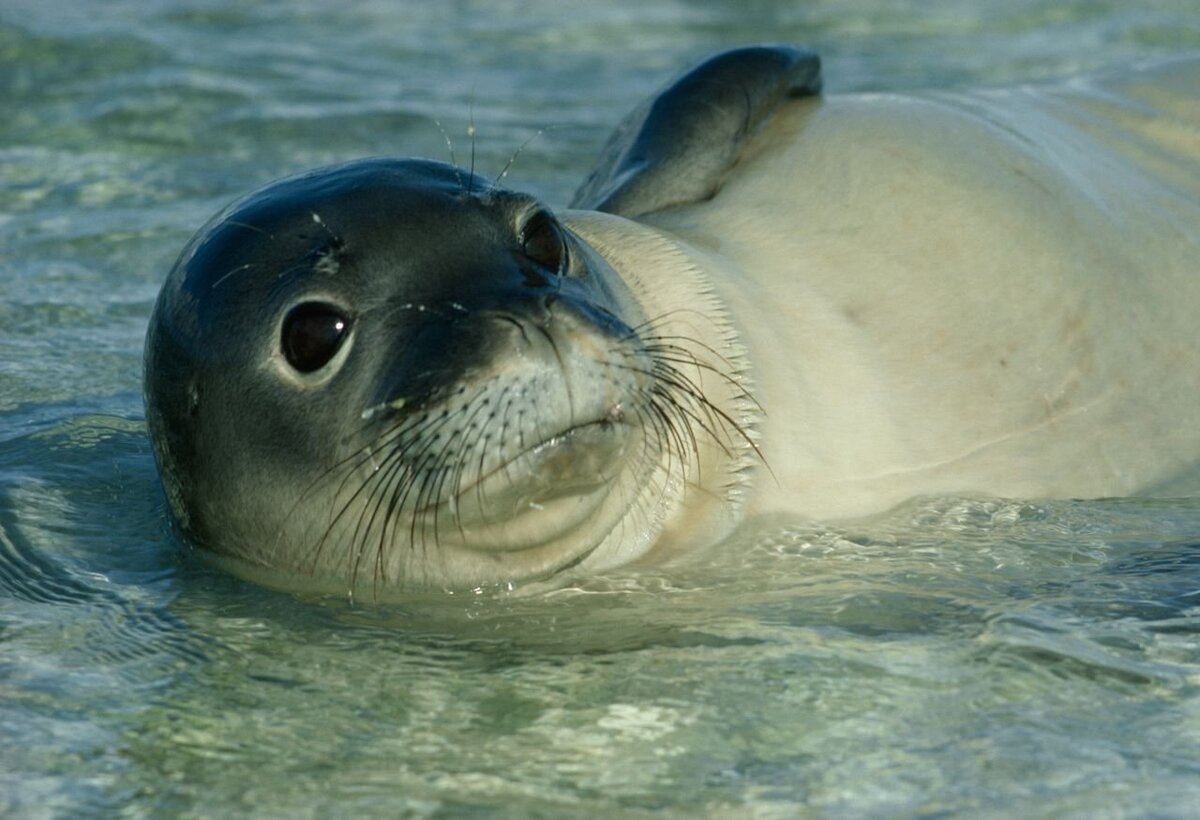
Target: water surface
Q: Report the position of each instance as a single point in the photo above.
(953, 656)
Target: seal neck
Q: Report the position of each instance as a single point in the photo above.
(671, 282)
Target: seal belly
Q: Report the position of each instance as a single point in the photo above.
(959, 292)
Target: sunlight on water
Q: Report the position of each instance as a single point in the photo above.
(956, 655)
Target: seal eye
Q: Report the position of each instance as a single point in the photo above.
(312, 333)
(542, 241)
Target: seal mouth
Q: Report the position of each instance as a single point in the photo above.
(541, 492)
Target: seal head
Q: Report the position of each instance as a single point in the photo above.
(390, 370)
(394, 371)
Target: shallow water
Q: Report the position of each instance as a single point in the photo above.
(953, 656)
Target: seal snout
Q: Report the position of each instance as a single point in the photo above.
(532, 378)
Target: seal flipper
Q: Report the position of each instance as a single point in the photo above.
(674, 148)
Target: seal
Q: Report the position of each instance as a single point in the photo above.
(394, 372)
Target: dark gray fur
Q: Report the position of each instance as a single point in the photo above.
(676, 147)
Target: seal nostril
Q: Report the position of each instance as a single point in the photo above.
(504, 317)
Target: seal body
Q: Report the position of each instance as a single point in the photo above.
(394, 373)
(984, 292)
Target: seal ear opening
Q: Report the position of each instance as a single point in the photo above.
(675, 148)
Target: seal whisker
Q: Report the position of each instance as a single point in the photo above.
(422, 511)
(426, 465)
(399, 472)
(677, 354)
(380, 476)
(669, 381)
(397, 498)
(678, 428)
(662, 343)
(460, 465)
(402, 469)
(485, 436)
(424, 502)
(446, 467)
(250, 227)
(661, 446)
(508, 165)
(223, 277)
(669, 441)
(689, 388)
(372, 491)
(640, 331)
(392, 488)
(685, 415)
(669, 342)
(450, 147)
(477, 442)
(359, 457)
(471, 134)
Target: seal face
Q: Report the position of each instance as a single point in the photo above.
(389, 371)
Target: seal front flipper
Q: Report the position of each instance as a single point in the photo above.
(676, 147)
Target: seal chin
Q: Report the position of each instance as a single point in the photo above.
(530, 517)
(540, 495)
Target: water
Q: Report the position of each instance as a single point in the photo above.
(953, 656)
